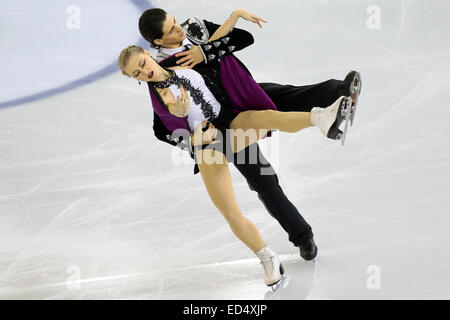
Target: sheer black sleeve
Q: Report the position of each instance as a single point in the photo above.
(236, 40)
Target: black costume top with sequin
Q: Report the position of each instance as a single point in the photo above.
(203, 104)
(236, 40)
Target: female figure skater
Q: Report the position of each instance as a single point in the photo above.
(196, 104)
(185, 43)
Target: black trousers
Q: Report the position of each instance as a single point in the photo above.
(286, 98)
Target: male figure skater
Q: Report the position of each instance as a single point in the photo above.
(174, 44)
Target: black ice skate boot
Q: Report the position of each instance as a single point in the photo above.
(352, 88)
(308, 249)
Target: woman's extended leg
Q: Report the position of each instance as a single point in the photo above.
(217, 179)
(272, 120)
(254, 125)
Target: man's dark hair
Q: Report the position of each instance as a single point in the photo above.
(151, 24)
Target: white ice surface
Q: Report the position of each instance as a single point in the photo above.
(92, 206)
(43, 48)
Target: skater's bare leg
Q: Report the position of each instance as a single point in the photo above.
(272, 120)
(217, 179)
(261, 121)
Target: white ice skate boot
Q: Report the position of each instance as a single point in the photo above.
(273, 269)
(329, 119)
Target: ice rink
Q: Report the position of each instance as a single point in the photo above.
(93, 206)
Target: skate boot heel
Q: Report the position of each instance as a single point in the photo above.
(342, 114)
(335, 134)
(272, 266)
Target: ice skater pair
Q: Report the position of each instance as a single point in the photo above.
(183, 97)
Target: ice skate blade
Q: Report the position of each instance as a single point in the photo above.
(347, 120)
(355, 89)
(282, 283)
(274, 293)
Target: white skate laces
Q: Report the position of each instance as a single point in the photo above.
(271, 265)
(323, 118)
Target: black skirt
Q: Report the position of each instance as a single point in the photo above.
(222, 123)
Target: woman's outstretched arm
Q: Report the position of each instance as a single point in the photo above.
(229, 24)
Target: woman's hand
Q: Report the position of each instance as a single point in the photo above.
(180, 108)
(229, 24)
(247, 15)
(200, 137)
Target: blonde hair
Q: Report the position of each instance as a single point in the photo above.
(125, 55)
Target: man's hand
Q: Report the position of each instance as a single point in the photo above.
(191, 57)
(180, 108)
(200, 137)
